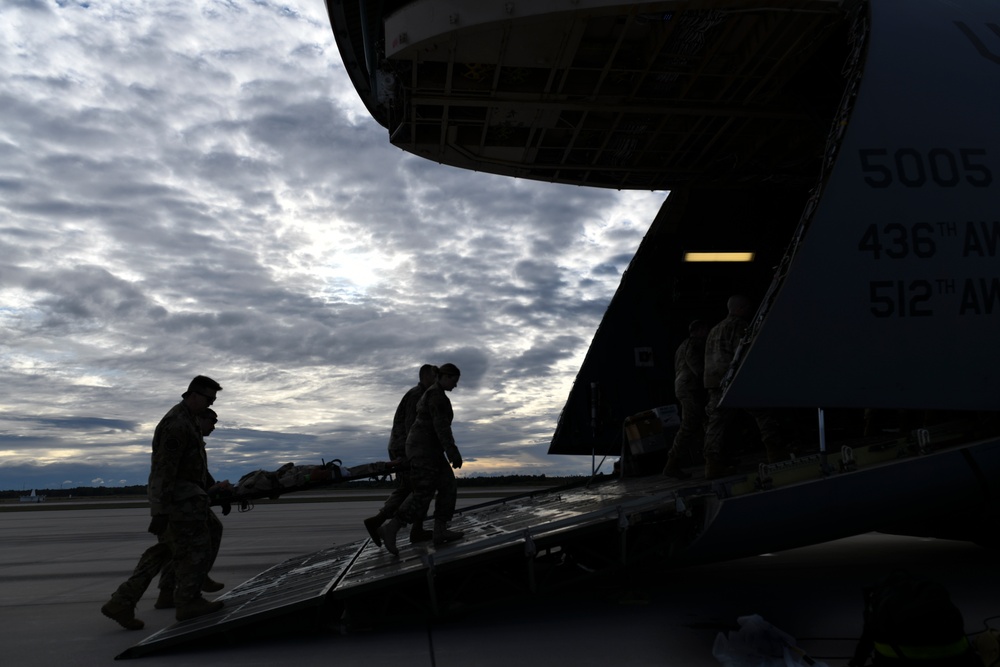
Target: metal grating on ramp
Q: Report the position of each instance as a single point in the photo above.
(295, 584)
(519, 527)
(515, 529)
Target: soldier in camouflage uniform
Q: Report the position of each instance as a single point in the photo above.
(159, 558)
(720, 348)
(689, 388)
(406, 414)
(168, 580)
(179, 503)
(430, 440)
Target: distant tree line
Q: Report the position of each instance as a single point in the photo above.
(388, 483)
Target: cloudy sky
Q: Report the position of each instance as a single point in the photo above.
(195, 188)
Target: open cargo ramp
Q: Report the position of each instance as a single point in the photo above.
(626, 528)
(516, 546)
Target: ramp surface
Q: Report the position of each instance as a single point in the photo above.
(514, 529)
(540, 542)
(288, 587)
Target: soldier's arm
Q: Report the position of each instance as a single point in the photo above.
(695, 359)
(733, 339)
(397, 437)
(441, 416)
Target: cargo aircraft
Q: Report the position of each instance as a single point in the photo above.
(848, 150)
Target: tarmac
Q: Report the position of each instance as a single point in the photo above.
(58, 566)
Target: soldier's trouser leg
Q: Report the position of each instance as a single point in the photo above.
(402, 491)
(715, 431)
(168, 579)
(690, 439)
(447, 493)
(424, 471)
(192, 547)
(154, 559)
(215, 529)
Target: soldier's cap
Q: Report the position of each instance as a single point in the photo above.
(697, 324)
(449, 369)
(201, 382)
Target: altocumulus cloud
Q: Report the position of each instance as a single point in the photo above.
(194, 187)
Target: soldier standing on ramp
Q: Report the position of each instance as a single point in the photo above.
(178, 483)
(406, 414)
(429, 441)
(689, 388)
(720, 348)
(159, 557)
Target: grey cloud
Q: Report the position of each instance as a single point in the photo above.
(474, 363)
(622, 260)
(87, 293)
(605, 270)
(95, 424)
(32, 5)
(544, 353)
(8, 440)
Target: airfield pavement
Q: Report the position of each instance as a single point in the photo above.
(58, 566)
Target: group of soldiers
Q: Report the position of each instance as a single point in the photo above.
(188, 533)
(421, 444)
(700, 364)
(180, 491)
(421, 432)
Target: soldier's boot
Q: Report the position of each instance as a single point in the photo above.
(372, 524)
(197, 607)
(165, 600)
(442, 535)
(418, 534)
(210, 585)
(673, 468)
(387, 532)
(122, 612)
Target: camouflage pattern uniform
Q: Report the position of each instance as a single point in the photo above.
(689, 369)
(151, 563)
(168, 581)
(428, 441)
(178, 483)
(720, 348)
(159, 558)
(406, 414)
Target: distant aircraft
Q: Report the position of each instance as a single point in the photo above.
(850, 149)
(33, 498)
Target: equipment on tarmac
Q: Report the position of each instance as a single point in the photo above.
(908, 622)
(291, 478)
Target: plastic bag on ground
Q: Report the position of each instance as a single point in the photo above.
(759, 644)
